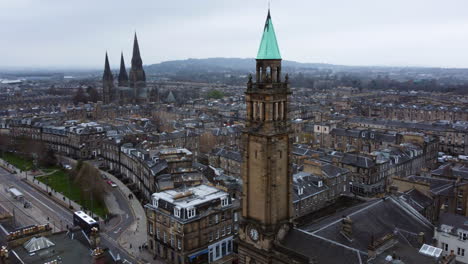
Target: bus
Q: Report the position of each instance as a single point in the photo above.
(84, 221)
(16, 193)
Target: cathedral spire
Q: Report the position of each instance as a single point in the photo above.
(123, 77)
(269, 49)
(107, 82)
(107, 71)
(137, 76)
(136, 59)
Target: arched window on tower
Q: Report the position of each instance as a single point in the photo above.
(278, 74)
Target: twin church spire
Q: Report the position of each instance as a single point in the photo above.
(136, 80)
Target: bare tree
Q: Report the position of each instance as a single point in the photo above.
(88, 178)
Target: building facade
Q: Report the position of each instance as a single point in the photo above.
(193, 225)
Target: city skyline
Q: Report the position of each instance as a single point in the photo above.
(365, 33)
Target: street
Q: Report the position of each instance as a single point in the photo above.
(44, 210)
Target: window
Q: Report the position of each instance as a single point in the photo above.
(150, 228)
(157, 233)
(223, 249)
(236, 217)
(461, 252)
(177, 211)
(229, 230)
(210, 236)
(445, 246)
(164, 236)
(155, 202)
(217, 233)
(462, 235)
(179, 244)
(190, 212)
(229, 249)
(217, 251)
(211, 255)
(225, 201)
(223, 231)
(172, 240)
(216, 218)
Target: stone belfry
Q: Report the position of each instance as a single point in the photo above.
(266, 170)
(137, 78)
(107, 83)
(123, 76)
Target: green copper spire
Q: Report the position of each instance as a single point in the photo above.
(269, 46)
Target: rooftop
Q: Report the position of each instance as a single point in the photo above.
(190, 197)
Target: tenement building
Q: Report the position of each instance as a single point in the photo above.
(193, 225)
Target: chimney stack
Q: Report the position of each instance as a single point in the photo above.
(421, 238)
(4, 255)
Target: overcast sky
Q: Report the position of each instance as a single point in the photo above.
(76, 33)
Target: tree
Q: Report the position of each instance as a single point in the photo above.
(93, 94)
(215, 94)
(80, 96)
(89, 180)
(48, 158)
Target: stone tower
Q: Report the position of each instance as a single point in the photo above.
(266, 170)
(123, 76)
(107, 83)
(137, 76)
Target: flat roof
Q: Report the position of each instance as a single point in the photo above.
(193, 195)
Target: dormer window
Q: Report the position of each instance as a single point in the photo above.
(300, 191)
(191, 212)
(155, 202)
(320, 184)
(225, 201)
(177, 211)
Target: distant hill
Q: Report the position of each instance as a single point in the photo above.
(223, 65)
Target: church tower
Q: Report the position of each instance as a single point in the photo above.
(266, 170)
(107, 83)
(137, 75)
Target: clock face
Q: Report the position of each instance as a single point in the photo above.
(253, 234)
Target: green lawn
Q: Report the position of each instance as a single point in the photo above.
(61, 182)
(17, 161)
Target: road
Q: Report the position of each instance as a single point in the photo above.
(45, 210)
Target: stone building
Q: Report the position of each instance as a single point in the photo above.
(266, 171)
(451, 235)
(193, 225)
(130, 88)
(319, 185)
(228, 160)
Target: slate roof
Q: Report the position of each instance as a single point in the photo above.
(357, 160)
(324, 241)
(308, 183)
(453, 220)
(417, 199)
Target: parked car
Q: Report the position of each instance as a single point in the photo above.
(67, 167)
(104, 176)
(112, 184)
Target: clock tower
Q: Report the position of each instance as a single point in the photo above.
(266, 169)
